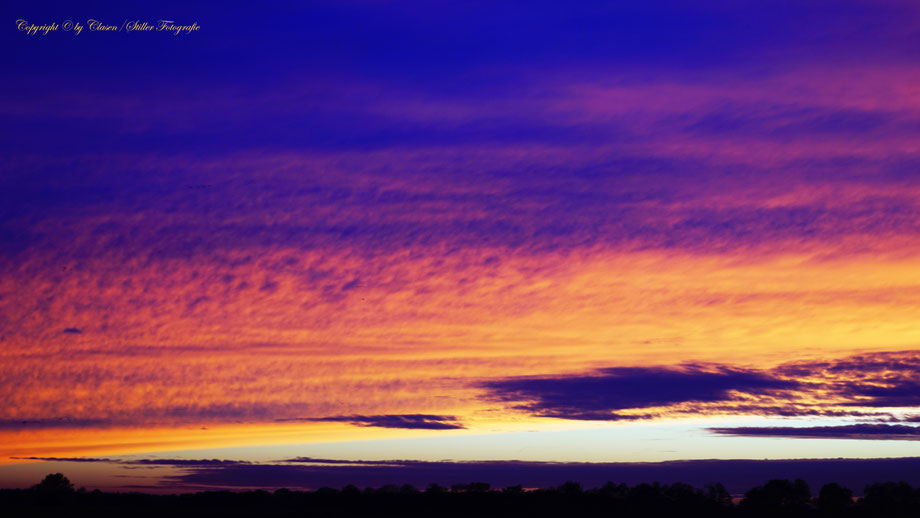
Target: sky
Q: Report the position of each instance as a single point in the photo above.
(365, 242)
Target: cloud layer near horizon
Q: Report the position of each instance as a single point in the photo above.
(737, 475)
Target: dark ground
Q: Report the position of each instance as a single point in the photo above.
(55, 496)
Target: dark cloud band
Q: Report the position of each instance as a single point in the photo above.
(404, 421)
(854, 431)
(828, 388)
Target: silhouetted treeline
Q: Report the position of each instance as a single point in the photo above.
(55, 496)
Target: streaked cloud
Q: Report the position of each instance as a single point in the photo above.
(406, 421)
(852, 431)
(141, 462)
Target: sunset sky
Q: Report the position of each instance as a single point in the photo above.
(502, 234)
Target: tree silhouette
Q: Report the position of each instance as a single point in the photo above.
(478, 487)
(891, 500)
(718, 495)
(54, 483)
(778, 498)
(834, 499)
(570, 488)
(54, 490)
(435, 489)
(55, 496)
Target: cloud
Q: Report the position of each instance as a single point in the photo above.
(737, 475)
(72, 331)
(829, 388)
(405, 421)
(853, 431)
(60, 422)
(313, 460)
(897, 393)
(876, 380)
(185, 462)
(599, 395)
(142, 462)
(68, 459)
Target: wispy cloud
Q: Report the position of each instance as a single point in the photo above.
(405, 421)
(68, 459)
(853, 431)
(141, 462)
